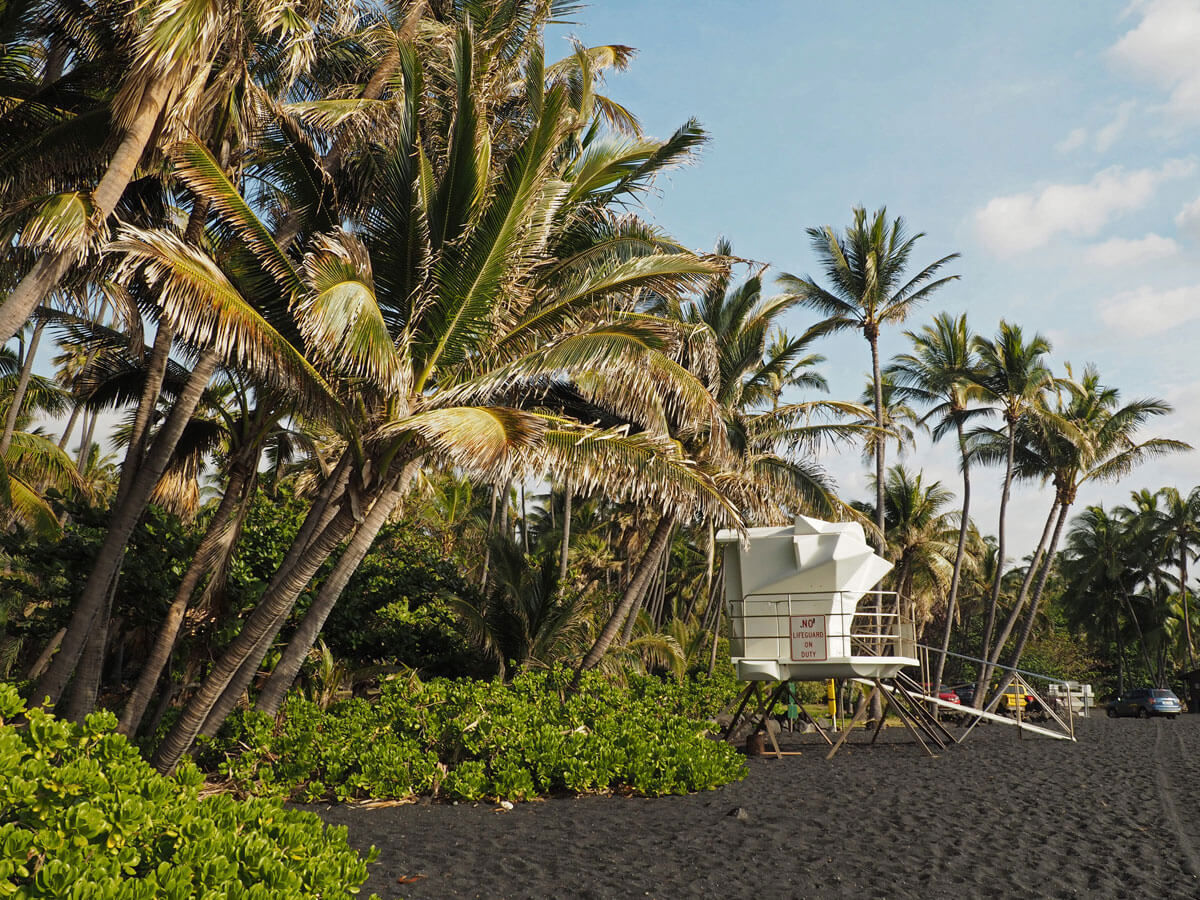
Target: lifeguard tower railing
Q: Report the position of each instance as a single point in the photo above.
(819, 632)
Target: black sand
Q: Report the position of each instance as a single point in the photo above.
(1115, 815)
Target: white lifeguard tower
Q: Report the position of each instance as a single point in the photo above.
(802, 605)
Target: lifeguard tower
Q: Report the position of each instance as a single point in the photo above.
(803, 606)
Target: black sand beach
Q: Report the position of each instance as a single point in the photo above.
(1116, 814)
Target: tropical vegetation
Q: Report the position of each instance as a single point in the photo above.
(350, 398)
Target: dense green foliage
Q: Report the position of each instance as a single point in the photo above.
(475, 739)
(84, 817)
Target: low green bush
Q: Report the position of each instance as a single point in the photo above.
(85, 818)
(472, 740)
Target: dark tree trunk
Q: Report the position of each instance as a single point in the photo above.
(112, 552)
(216, 537)
(637, 585)
(566, 532)
(288, 667)
(994, 598)
(956, 576)
(18, 398)
(266, 620)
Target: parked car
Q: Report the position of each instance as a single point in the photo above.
(942, 693)
(1146, 702)
(1013, 700)
(965, 693)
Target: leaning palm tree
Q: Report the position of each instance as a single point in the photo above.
(760, 477)
(937, 373)
(869, 289)
(445, 323)
(1012, 374)
(1089, 438)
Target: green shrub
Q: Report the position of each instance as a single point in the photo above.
(84, 816)
(470, 740)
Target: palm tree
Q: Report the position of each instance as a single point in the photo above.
(1011, 374)
(753, 359)
(900, 421)
(869, 289)
(920, 538)
(1088, 438)
(526, 619)
(445, 323)
(1180, 518)
(938, 373)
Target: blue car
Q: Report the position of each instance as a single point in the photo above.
(1146, 702)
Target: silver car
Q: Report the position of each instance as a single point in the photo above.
(1146, 702)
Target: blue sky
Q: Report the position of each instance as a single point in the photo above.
(1053, 145)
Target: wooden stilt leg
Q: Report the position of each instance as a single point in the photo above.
(904, 717)
(859, 715)
(733, 723)
(887, 704)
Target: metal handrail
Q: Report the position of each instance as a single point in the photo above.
(870, 632)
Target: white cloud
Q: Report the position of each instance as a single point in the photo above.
(1147, 310)
(1122, 252)
(1073, 141)
(1108, 135)
(1021, 222)
(1164, 48)
(1188, 220)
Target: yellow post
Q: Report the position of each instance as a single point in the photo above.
(831, 698)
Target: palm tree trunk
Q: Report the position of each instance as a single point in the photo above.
(1183, 599)
(70, 426)
(85, 442)
(285, 672)
(640, 601)
(994, 598)
(90, 669)
(1036, 600)
(18, 398)
(1018, 607)
(956, 575)
(51, 266)
(880, 443)
(265, 621)
(216, 535)
(633, 591)
(566, 531)
(319, 519)
(124, 520)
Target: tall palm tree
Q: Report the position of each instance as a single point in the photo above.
(1012, 373)
(937, 373)
(444, 324)
(869, 288)
(1089, 437)
(1180, 518)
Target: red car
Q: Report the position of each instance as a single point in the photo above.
(943, 693)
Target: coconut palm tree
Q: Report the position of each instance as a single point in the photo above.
(869, 288)
(920, 538)
(1089, 437)
(443, 324)
(937, 373)
(1012, 375)
(1180, 518)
